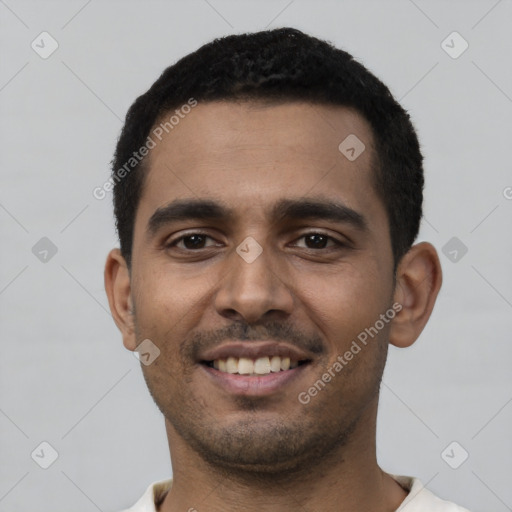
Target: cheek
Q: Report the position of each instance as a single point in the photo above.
(164, 297)
(168, 306)
(345, 301)
(347, 309)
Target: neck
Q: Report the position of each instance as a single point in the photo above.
(347, 480)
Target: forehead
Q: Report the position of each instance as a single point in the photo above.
(251, 155)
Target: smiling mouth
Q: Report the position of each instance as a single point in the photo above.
(255, 367)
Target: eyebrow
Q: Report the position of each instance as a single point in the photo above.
(284, 209)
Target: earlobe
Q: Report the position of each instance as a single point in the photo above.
(118, 289)
(418, 281)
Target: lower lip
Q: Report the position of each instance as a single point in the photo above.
(254, 386)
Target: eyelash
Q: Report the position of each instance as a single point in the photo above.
(173, 243)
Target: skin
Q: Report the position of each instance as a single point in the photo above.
(269, 453)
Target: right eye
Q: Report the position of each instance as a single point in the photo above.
(190, 242)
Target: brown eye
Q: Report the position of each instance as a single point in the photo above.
(319, 241)
(316, 241)
(191, 242)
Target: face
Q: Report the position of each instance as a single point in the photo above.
(261, 252)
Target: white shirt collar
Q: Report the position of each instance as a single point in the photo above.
(419, 498)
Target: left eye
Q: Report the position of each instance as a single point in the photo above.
(198, 240)
(319, 240)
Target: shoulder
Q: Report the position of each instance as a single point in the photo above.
(420, 498)
(152, 497)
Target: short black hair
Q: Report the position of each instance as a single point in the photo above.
(280, 65)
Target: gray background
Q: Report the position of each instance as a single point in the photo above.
(66, 378)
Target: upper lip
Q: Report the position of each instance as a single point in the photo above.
(255, 350)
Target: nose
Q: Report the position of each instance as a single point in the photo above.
(253, 289)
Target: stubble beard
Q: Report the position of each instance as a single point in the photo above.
(274, 449)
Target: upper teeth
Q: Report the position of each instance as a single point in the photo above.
(260, 366)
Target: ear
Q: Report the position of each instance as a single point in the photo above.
(118, 288)
(418, 280)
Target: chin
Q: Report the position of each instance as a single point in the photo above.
(263, 447)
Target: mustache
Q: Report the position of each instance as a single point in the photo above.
(199, 342)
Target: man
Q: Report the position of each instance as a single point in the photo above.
(268, 192)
